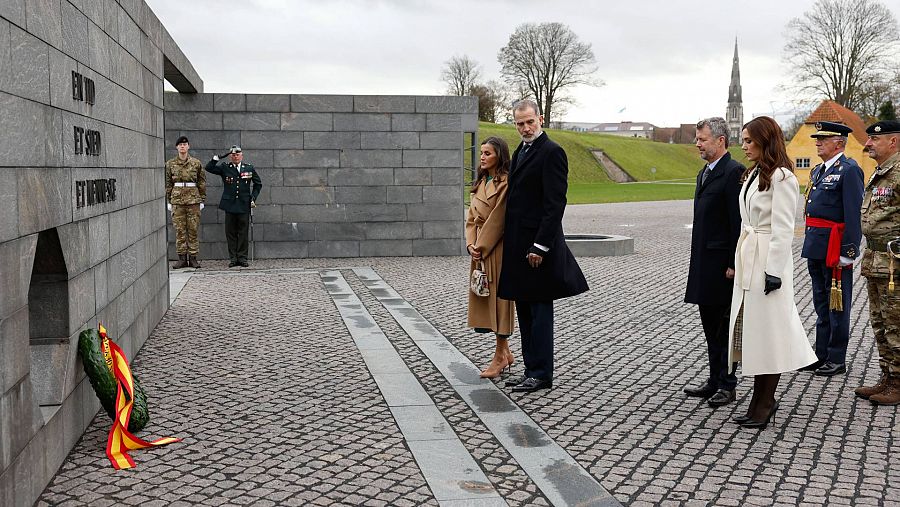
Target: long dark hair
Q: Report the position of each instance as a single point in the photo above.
(766, 133)
(503, 160)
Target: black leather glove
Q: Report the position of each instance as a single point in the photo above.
(772, 283)
(536, 251)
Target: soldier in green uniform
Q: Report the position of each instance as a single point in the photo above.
(881, 262)
(185, 193)
(241, 188)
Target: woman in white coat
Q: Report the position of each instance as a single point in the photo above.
(766, 333)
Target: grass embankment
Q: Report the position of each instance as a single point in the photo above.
(676, 165)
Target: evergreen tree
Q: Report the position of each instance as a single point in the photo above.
(887, 111)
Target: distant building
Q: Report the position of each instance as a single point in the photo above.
(683, 134)
(802, 148)
(734, 115)
(625, 129)
(575, 126)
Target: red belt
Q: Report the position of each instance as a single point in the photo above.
(832, 257)
(833, 254)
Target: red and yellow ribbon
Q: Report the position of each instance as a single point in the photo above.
(120, 440)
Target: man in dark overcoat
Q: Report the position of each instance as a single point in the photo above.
(714, 236)
(241, 186)
(538, 267)
(834, 198)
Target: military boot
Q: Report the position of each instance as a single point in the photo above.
(182, 262)
(193, 262)
(890, 395)
(866, 392)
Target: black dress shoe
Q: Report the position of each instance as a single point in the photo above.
(830, 369)
(722, 397)
(232, 264)
(812, 367)
(244, 264)
(515, 381)
(704, 391)
(532, 384)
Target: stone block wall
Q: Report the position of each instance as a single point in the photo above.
(343, 175)
(82, 229)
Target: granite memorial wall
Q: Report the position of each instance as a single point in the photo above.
(343, 175)
(83, 235)
(83, 219)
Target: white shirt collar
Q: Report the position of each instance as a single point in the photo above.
(712, 165)
(830, 162)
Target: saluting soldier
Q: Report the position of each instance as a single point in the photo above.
(241, 188)
(881, 262)
(185, 193)
(833, 233)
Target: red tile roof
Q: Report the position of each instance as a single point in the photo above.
(830, 110)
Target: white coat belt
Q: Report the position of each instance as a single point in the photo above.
(748, 248)
(185, 184)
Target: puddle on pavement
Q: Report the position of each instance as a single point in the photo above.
(524, 435)
(476, 486)
(491, 400)
(380, 293)
(361, 321)
(463, 373)
(574, 486)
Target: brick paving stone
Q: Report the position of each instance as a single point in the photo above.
(234, 373)
(624, 351)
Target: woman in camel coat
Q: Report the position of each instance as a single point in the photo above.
(766, 333)
(484, 242)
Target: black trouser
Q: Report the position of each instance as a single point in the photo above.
(715, 320)
(536, 327)
(832, 327)
(237, 229)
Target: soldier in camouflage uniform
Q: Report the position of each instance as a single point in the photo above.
(185, 193)
(880, 225)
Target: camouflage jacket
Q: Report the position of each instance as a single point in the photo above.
(881, 217)
(188, 171)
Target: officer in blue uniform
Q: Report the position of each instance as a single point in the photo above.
(833, 233)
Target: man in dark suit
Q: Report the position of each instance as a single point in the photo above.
(717, 225)
(241, 185)
(538, 267)
(834, 197)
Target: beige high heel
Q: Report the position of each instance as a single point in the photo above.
(498, 362)
(495, 368)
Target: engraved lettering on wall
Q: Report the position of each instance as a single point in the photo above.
(93, 192)
(82, 88)
(87, 142)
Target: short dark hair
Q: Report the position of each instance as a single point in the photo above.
(524, 104)
(717, 125)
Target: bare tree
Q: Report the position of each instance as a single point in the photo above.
(545, 59)
(842, 50)
(493, 100)
(460, 73)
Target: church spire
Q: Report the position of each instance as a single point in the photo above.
(734, 115)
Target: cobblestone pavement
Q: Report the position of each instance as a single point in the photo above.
(260, 376)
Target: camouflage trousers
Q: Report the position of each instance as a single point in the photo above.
(884, 307)
(186, 219)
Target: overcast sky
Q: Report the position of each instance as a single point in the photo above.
(664, 61)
